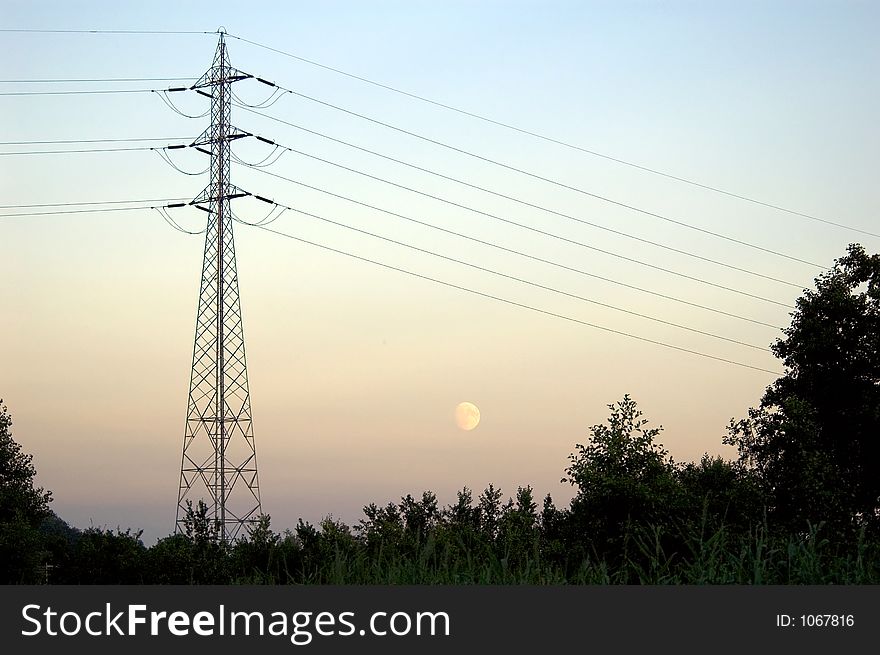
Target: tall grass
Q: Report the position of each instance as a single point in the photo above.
(717, 559)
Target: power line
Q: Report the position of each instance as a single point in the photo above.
(516, 304)
(167, 159)
(560, 142)
(528, 204)
(163, 96)
(81, 92)
(424, 277)
(162, 152)
(99, 79)
(274, 155)
(88, 150)
(97, 150)
(525, 255)
(519, 279)
(77, 211)
(270, 218)
(548, 180)
(68, 152)
(276, 94)
(41, 31)
(545, 233)
(72, 141)
(96, 202)
(163, 212)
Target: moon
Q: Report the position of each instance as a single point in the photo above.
(467, 416)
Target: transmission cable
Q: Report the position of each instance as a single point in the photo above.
(273, 215)
(101, 79)
(72, 141)
(517, 304)
(82, 92)
(41, 31)
(526, 255)
(519, 279)
(171, 147)
(163, 95)
(167, 159)
(560, 142)
(550, 234)
(73, 151)
(97, 202)
(77, 211)
(69, 151)
(163, 211)
(548, 180)
(263, 163)
(268, 102)
(519, 201)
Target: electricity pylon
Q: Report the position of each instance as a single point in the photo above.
(219, 463)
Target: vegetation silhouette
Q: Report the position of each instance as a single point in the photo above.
(800, 505)
(815, 438)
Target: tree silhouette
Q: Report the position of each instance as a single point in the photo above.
(625, 482)
(23, 507)
(815, 438)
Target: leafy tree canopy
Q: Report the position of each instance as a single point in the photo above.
(624, 449)
(23, 508)
(623, 478)
(815, 437)
(19, 499)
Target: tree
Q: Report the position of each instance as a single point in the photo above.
(256, 556)
(721, 494)
(519, 537)
(625, 480)
(19, 499)
(815, 438)
(102, 556)
(23, 507)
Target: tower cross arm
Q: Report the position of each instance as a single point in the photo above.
(208, 195)
(209, 136)
(220, 75)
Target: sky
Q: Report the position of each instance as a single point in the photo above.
(356, 370)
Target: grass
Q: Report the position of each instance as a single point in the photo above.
(718, 559)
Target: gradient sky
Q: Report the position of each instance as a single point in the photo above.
(355, 371)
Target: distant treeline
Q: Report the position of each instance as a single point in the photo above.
(800, 505)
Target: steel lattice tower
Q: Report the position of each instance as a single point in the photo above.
(219, 463)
